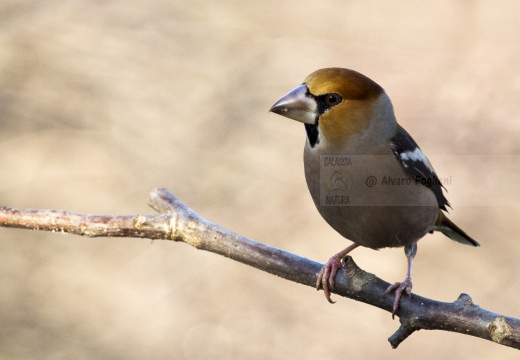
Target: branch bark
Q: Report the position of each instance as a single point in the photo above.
(178, 222)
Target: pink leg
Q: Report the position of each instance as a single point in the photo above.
(406, 285)
(328, 272)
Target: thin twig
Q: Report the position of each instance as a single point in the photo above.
(178, 222)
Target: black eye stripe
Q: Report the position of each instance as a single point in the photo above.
(327, 101)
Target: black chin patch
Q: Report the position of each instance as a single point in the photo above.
(312, 133)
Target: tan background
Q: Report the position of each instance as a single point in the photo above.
(102, 101)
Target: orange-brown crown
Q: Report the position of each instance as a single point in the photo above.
(348, 83)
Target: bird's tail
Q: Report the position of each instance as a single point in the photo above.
(448, 228)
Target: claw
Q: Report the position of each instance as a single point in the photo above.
(326, 277)
(399, 287)
(328, 272)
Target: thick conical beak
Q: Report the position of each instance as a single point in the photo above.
(298, 105)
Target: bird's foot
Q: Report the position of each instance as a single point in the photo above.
(399, 288)
(326, 276)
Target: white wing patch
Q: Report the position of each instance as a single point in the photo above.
(416, 163)
(416, 155)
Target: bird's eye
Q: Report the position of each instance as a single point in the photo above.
(332, 99)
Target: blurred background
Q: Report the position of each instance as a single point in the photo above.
(102, 101)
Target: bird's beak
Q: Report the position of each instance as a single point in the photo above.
(298, 105)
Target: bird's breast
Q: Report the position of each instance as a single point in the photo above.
(369, 199)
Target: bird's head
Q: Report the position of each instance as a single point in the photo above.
(336, 104)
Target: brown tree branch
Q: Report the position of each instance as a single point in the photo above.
(178, 222)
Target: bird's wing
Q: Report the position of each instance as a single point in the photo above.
(416, 164)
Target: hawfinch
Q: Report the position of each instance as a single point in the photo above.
(367, 177)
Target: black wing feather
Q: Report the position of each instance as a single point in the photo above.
(403, 143)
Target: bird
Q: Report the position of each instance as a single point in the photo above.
(352, 136)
